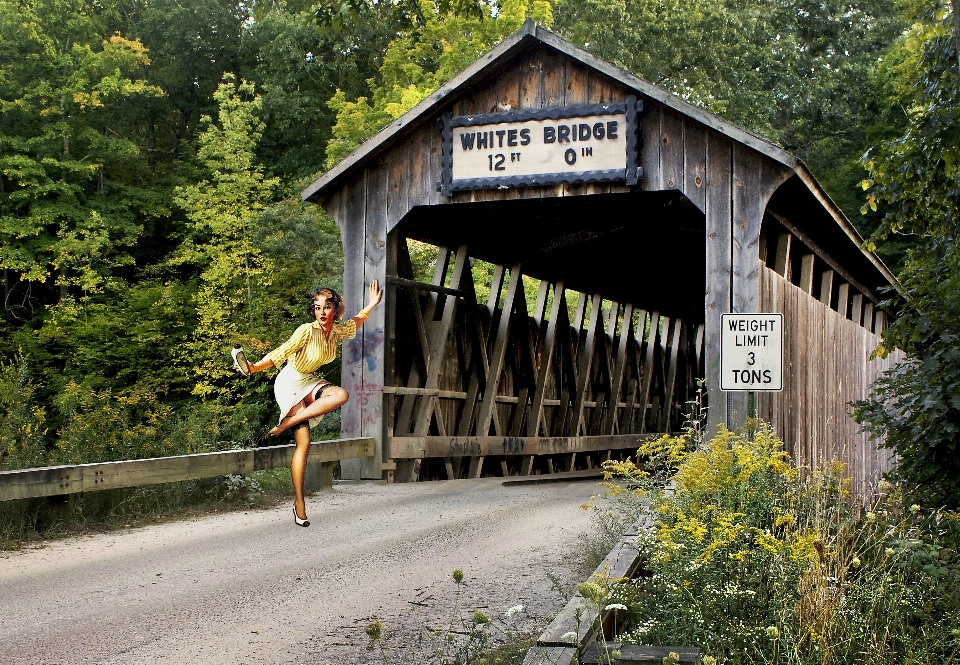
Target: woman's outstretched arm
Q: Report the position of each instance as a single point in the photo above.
(261, 364)
(374, 297)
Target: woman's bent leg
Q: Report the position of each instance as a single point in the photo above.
(332, 398)
(298, 468)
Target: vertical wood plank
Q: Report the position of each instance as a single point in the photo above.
(718, 270)
(351, 373)
(671, 150)
(478, 341)
(554, 79)
(695, 163)
(649, 148)
(439, 346)
(531, 84)
(378, 202)
(826, 287)
(806, 273)
(856, 308)
(634, 377)
(781, 264)
(843, 304)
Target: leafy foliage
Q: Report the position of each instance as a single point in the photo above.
(796, 72)
(915, 177)
(417, 62)
(220, 241)
(72, 190)
(753, 560)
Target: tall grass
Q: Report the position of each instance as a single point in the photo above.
(756, 561)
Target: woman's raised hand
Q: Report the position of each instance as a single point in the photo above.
(376, 294)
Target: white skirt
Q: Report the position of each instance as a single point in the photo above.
(291, 387)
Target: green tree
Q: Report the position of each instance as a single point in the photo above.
(796, 72)
(300, 56)
(71, 196)
(222, 210)
(417, 62)
(914, 181)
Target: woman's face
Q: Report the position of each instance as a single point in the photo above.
(323, 310)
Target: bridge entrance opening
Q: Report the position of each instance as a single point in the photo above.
(541, 335)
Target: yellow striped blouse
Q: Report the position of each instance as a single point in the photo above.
(310, 348)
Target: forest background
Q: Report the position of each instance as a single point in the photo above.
(152, 152)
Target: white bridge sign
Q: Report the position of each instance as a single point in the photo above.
(751, 352)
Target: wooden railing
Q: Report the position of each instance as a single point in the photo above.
(56, 480)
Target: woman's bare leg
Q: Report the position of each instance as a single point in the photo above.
(298, 469)
(331, 399)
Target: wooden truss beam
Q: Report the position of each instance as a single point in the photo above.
(413, 447)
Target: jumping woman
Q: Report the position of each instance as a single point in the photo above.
(303, 397)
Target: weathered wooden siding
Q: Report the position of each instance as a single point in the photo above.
(826, 366)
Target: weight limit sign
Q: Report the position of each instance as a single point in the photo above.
(751, 352)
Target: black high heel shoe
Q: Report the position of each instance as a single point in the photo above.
(296, 518)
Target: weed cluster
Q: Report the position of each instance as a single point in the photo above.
(754, 560)
(469, 638)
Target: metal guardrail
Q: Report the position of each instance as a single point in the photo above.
(57, 480)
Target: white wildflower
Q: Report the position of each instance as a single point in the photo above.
(516, 609)
(616, 606)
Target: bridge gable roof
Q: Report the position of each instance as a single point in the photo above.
(530, 34)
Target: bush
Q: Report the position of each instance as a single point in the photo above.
(754, 560)
(22, 422)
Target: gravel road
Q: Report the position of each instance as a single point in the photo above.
(251, 587)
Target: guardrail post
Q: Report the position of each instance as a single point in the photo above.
(319, 477)
(312, 478)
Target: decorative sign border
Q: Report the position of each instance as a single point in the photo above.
(629, 174)
(760, 370)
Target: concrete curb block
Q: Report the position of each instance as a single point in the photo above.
(556, 644)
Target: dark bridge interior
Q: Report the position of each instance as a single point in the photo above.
(646, 248)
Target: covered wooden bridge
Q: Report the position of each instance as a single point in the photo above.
(617, 223)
